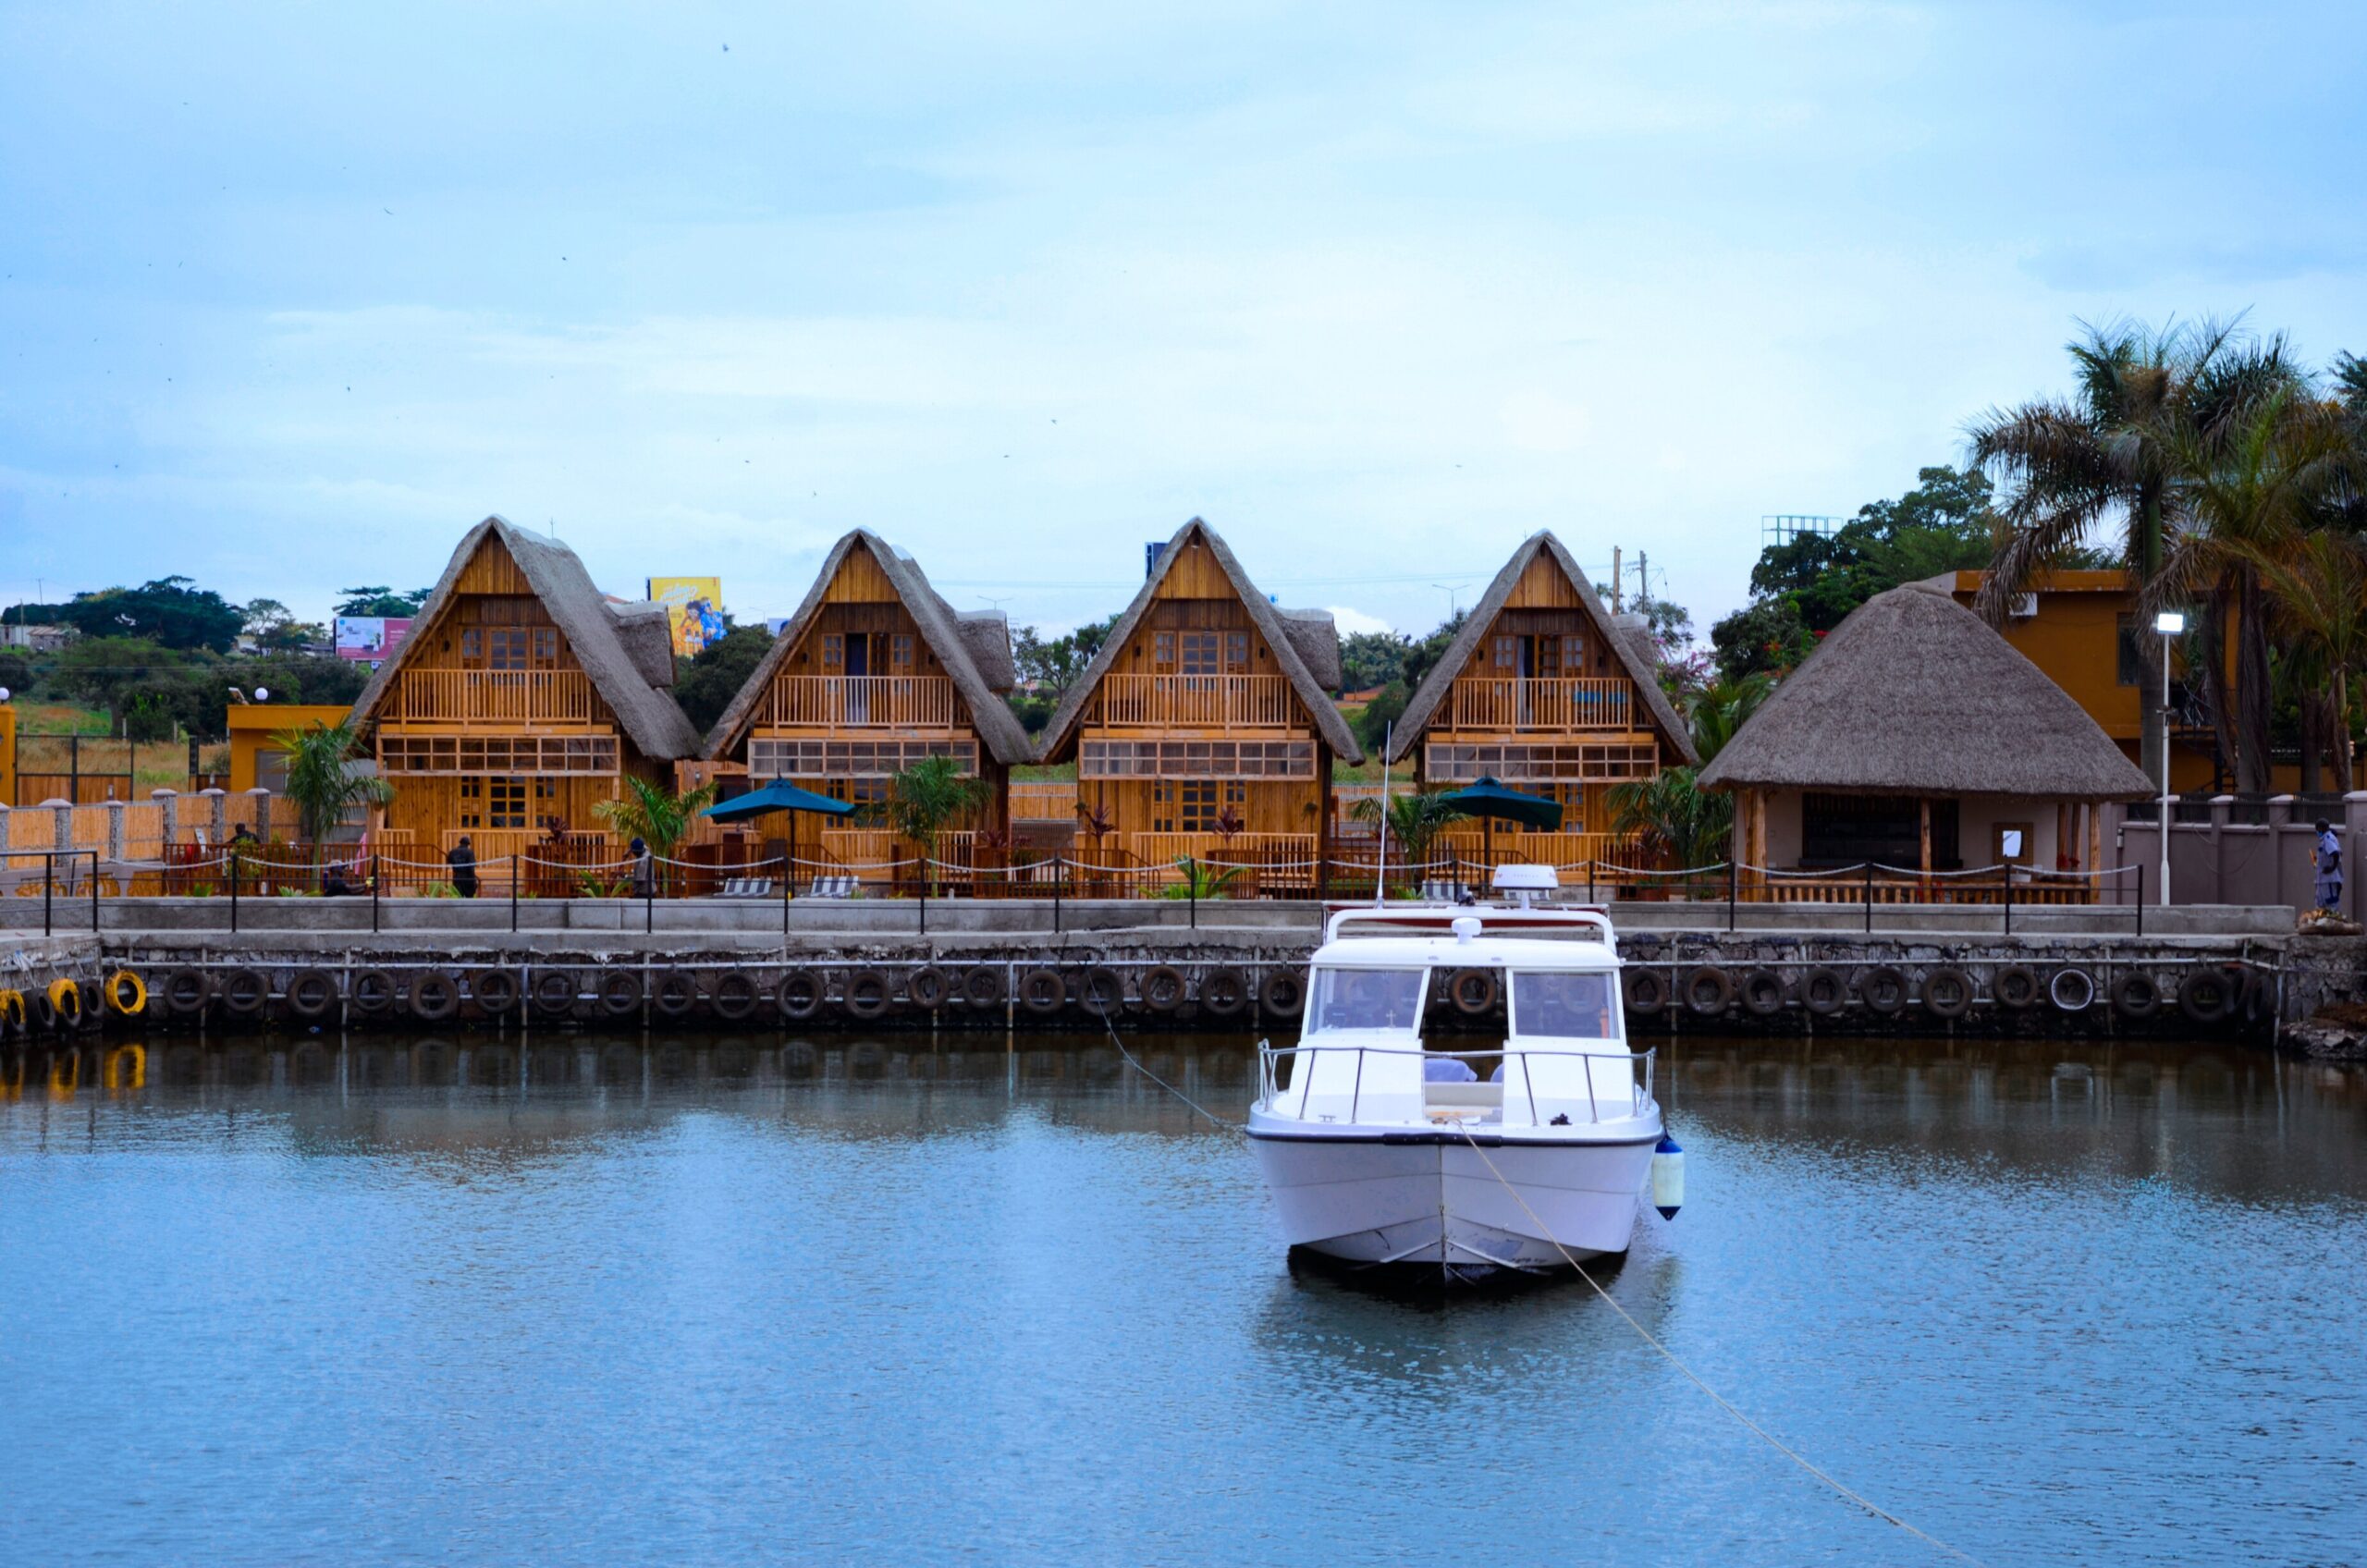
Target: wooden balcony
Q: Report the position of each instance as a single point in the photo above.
(842, 702)
(494, 697)
(1506, 705)
(1471, 843)
(1194, 701)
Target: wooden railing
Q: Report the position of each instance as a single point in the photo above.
(1227, 702)
(1166, 848)
(902, 700)
(1509, 846)
(494, 696)
(1500, 705)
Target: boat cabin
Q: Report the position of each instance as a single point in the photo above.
(1384, 976)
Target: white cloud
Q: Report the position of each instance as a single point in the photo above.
(1349, 621)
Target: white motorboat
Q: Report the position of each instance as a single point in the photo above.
(1527, 1154)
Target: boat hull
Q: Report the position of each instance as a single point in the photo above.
(1433, 1199)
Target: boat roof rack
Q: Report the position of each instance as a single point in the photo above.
(1580, 922)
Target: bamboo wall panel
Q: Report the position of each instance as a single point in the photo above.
(492, 570)
(1543, 586)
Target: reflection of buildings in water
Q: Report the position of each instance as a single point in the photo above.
(484, 1090)
(2229, 1120)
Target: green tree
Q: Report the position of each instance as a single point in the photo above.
(926, 799)
(1415, 820)
(1423, 654)
(1386, 709)
(1372, 659)
(323, 781)
(380, 600)
(111, 672)
(172, 612)
(706, 682)
(2104, 460)
(1765, 637)
(2253, 480)
(1057, 663)
(1676, 821)
(654, 815)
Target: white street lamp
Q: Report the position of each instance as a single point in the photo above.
(2170, 624)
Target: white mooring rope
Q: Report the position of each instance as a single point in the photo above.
(1643, 1333)
(1694, 1377)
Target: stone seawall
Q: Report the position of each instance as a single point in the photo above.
(1233, 975)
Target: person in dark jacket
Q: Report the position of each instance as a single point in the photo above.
(463, 861)
(644, 872)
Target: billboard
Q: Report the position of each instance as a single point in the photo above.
(693, 609)
(370, 639)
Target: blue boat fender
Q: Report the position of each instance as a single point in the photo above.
(1668, 1177)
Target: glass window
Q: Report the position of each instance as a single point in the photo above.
(1236, 652)
(1367, 999)
(1199, 652)
(1163, 645)
(1562, 1006)
(546, 646)
(900, 651)
(504, 649)
(834, 651)
(472, 641)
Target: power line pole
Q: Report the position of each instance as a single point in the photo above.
(1643, 580)
(1617, 571)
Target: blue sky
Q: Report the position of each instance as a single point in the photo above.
(294, 295)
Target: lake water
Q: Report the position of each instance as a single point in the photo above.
(718, 1302)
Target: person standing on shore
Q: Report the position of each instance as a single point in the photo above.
(2328, 859)
(463, 861)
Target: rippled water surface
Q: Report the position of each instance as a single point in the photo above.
(725, 1302)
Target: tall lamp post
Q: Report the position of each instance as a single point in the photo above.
(2171, 625)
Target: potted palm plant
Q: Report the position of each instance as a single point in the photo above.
(656, 815)
(323, 781)
(926, 799)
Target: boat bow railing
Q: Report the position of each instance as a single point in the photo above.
(1270, 1056)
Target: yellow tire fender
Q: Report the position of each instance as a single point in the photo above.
(126, 993)
(67, 997)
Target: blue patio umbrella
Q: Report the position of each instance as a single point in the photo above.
(778, 795)
(1489, 800)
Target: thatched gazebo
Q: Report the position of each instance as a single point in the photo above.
(1917, 738)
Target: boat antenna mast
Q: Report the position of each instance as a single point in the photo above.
(1381, 881)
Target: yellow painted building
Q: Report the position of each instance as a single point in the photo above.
(2083, 628)
(255, 760)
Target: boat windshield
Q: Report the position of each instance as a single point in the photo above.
(1367, 999)
(1562, 1004)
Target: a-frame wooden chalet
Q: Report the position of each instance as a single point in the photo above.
(520, 697)
(1545, 692)
(874, 673)
(1205, 727)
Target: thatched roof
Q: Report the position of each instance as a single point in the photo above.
(973, 651)
(1305, 646)
(1913, 694)
(1621, 641)
(611, 642)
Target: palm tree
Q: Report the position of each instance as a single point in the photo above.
(2256, 480)
(1672, 819)
(321, 778)
(1201, 880)
(654, 815)
(1720, 709)
(2317, 606)
(1415, 820)
(2107, 457)
(926, 799)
